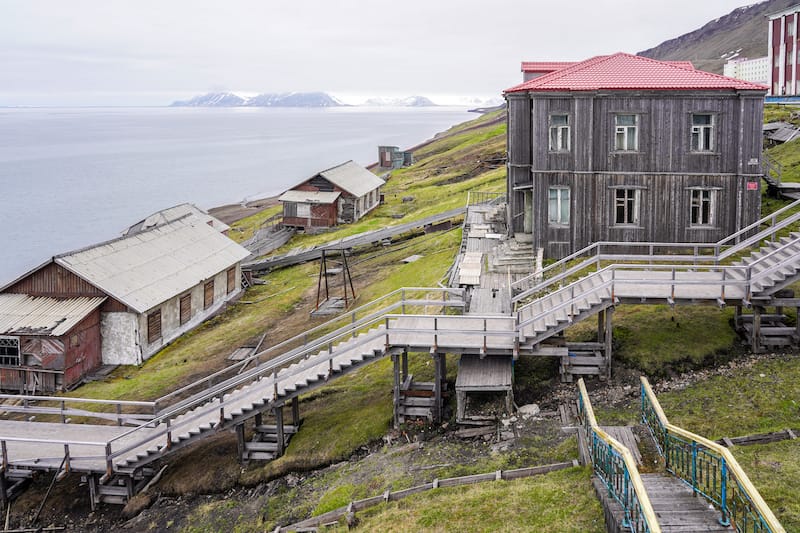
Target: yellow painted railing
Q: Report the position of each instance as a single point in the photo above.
(615, 466)
(710, 469)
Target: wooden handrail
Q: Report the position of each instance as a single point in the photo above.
(630, 463)
(739, 473)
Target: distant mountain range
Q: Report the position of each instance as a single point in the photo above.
(312, 99)
(740, 33)
(409, 101)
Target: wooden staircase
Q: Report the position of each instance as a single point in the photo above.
(677, 508)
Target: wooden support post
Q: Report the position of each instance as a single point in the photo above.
(3, 490)
(405, 362)
(396, 389)
(608, 334)
(437, 388)
(601, 323)
(443, 372)
(240, 448)
(797, 321)
(296, 412)
(258, 420)
(94, 498)
(737, 317)
(461, 405)
(755, 341)
(279, 424)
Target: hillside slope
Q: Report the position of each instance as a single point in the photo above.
(744, 30)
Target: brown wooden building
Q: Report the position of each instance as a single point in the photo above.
(117, 302)
(339, 195)
(625, 148)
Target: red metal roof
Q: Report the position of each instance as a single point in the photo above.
(623, 71)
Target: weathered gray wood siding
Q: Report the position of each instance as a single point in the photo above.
(664, 168)
(519, 155)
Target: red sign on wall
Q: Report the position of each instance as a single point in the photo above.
(752, 185)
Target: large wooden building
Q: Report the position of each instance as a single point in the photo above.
(117, 302)
(626, 148)
(339, 195)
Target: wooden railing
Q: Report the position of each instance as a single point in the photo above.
(614, 464)
(484, 197)
(709, 469)
(120, 411)
(652, 253)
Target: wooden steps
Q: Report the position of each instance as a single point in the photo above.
(677, 508)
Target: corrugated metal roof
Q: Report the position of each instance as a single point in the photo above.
(622, 71)
(171, 214)
(21, 314)
(353, 178)
(309, 197)
(145, 269)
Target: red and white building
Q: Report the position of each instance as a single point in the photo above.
(782, 55)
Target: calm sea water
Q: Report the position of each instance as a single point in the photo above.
(73, 177)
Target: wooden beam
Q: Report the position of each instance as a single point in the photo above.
(240, 441)
(296, 411)
(396, 390)
(279, 424)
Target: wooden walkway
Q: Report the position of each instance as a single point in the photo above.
(678, 509)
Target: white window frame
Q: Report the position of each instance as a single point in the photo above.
(629, 200)
(559, 134)
(303, 210)
(698, 198)
(626, 136)
(9, 341)
(702, 137)
(558, 198)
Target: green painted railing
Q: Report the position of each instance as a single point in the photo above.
(616, 467)
(709, 469)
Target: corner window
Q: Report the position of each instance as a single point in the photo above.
(559, 133)
(702, 207)
(9, 351)
(702, 132)
(626, 137)
(626, 206)
(558, 202)
(154, 326)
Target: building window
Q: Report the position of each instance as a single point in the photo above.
(559, 133)
(154, 326)
(702, 132)
(231, 279)
(208, 294)
(558, 212)
(625, 134)
(702, 207)
(626, 206)
(9, 351)
(185, 305)
(303, 210)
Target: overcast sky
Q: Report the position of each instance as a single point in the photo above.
(150, 52)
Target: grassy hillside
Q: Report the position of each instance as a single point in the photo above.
(744, 30)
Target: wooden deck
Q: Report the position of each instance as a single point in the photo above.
(677, 508)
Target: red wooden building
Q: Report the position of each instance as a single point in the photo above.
(339, 195)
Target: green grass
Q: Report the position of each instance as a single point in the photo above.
(659, 338)
(758, 399)
(788, 155)
(780, 113)
(775, 471)
(243, 229)
(560, 501)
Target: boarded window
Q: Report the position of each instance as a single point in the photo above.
(303, 210)
(154, 326)
(9, 351)
(208, 294)
(231, 279)
(185, 308)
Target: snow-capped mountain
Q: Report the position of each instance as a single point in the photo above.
(408, 101)
(211, 100)
(313, 99)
